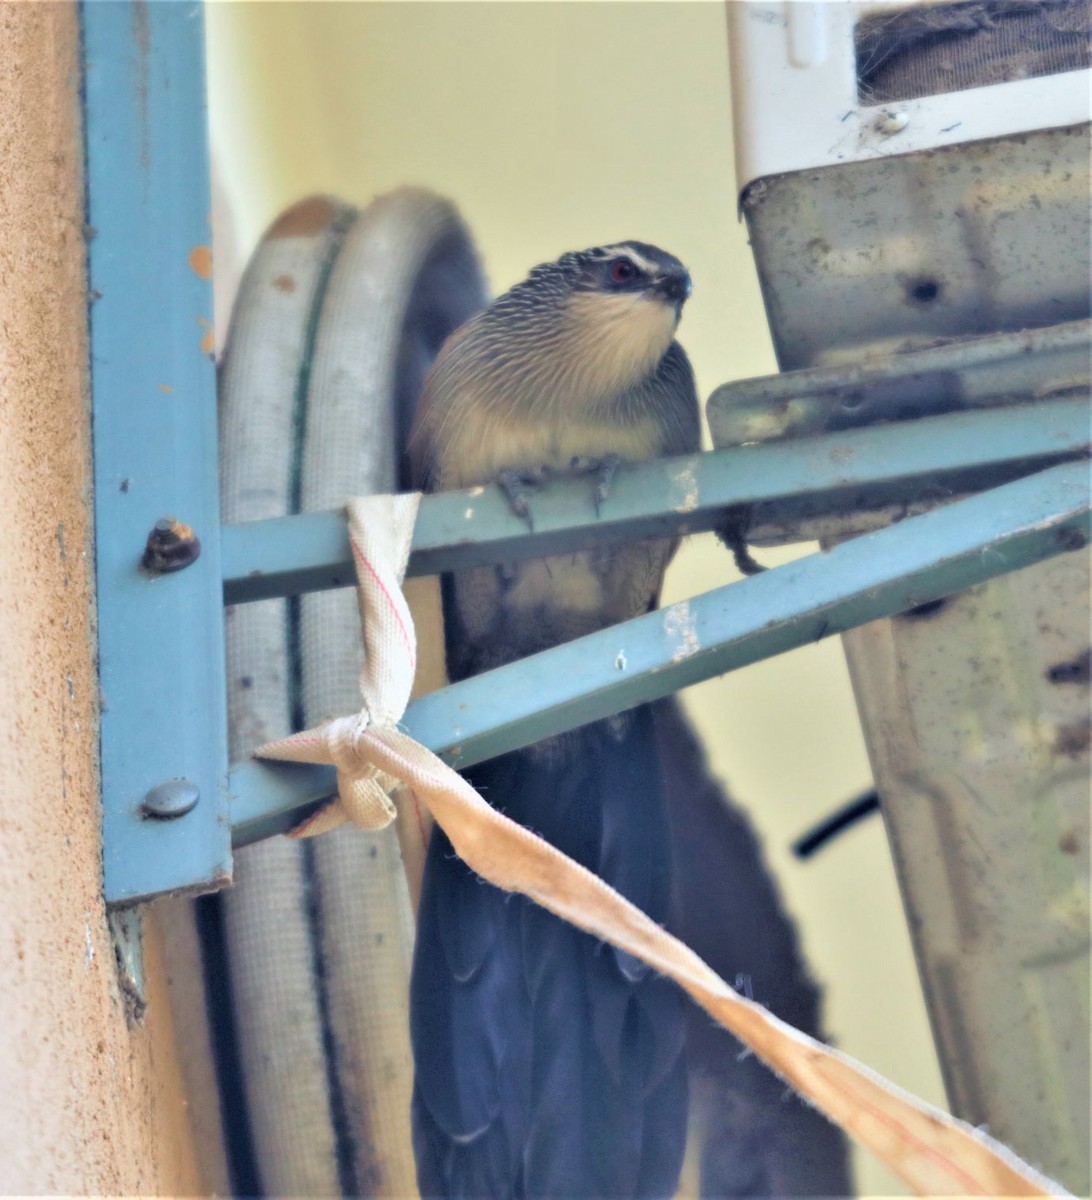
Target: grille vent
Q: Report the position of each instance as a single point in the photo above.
(940, 48)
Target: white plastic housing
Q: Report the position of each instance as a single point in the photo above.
(795, 100)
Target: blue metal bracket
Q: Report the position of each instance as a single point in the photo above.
(876, 575)
(168, 822)
(780, 483)
(161, 653)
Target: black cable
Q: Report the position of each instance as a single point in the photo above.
(838, 821)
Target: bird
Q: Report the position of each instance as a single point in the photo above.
(546, 1063)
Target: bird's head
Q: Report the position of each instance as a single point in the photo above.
(635, 270)
(620, 311)
(579, 332)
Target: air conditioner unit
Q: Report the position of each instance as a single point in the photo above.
(917, 177)
(909, 173)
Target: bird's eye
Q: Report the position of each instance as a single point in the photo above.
(622, 270)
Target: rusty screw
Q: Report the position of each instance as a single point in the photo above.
(171, 546)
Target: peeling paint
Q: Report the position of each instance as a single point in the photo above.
(200, 260)
(304, 219)
(208, 340)
(685, 483)
(680, 626)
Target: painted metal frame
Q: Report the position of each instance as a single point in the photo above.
(161, 652)
(876, 575)
(161, 634)
(778, 485)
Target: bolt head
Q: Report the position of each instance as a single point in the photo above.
(170, 799)
(171, 546)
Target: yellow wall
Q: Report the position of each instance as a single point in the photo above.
(556, 126)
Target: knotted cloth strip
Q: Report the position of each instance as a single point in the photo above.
(380, 532)
(932, 1152)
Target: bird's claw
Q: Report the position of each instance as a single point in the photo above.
(604, 469)
(518, 485)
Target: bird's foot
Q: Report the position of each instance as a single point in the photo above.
(518, 485)
(604, 469)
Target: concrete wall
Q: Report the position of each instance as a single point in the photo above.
(88, 1102)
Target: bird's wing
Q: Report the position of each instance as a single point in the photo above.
(591, 1085)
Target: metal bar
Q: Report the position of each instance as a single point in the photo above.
(963, 373)
(783, 482)
(876, 575)
(161, 654)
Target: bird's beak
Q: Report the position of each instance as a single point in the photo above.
(674, 287)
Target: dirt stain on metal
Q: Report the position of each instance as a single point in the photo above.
(142, 39)
(1072, 741)
(1077, 670)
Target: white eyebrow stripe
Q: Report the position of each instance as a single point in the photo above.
(624, 251)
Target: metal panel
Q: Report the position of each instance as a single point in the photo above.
(875, 575)
(977, 721)
(948, 376)
(154, 397)
(882, 255)
(844, 474)
(977, 757)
